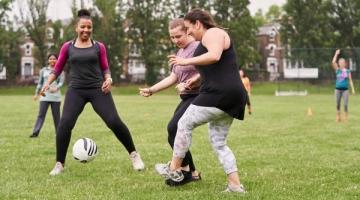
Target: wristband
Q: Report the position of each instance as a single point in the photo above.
(111, 81)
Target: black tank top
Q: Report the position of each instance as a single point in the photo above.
(85, 70)
(221, 86)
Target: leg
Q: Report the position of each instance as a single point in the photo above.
(73, 106)
(218, 131)
(41, 118)
(248, 104)
(194, 116)
(172, 129)
(55, 110)
(338, 95)
(346, 100)
(104, 106)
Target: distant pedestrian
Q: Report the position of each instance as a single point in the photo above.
(52, 97)
(343, 81)
(246, 81)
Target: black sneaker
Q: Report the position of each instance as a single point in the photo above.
(33, 136)
(187, 179)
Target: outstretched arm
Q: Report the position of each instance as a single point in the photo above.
(163, 84)
(334, 63)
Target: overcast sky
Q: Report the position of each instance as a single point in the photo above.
(60, 9)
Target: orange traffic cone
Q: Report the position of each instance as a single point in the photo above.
(309, 112)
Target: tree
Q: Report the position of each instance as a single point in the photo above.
(259, 18)
(108, 28)
(9, 42)
(345, 18)
(304, 31)
(274, 13)
(234, 15)
(33, 16)
(148, 32)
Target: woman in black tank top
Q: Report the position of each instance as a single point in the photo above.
(90, 82)
(222, 95)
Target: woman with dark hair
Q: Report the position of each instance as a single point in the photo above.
(222, 96)
(343, 81)
(52, 96)
(89, 81)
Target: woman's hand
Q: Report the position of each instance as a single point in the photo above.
(35, 97)
(181, 87)
(176, 60)
(44, 89)
(337, 52)
(53, 89)
(106, 86)
(193, 82)
(145, 92)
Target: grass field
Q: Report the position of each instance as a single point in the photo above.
(282, 153)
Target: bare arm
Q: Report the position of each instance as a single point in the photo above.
(249, 87)
(334, 63)
(106, 86)
(52, 77)
(215, 41)
(351, 84)
(163, 84)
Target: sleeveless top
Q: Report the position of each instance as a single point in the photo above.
(221, 86)
(87, 66)
(342, 79)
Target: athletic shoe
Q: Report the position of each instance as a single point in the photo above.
(58, 169)
(137, 163)
(33, 136)
(176, 175)
(197, 178)
(187, 178)
(237, 189)
(161, 169)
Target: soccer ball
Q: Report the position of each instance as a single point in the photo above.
(84, 150)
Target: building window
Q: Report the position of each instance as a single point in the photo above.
(27, 69)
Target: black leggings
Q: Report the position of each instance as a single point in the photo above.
(172, 127)
(103, 105)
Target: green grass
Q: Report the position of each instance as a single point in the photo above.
(281, 152)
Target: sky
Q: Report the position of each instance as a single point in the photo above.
(264, 5)
(60, 9)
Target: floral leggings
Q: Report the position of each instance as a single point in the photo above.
(219, 124)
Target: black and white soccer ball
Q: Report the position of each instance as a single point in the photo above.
(84, 150)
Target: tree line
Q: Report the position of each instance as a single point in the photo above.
(122, 24)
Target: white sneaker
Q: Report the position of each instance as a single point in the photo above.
(162, 169)
(238, 189)
(137, 163)
(58, 169)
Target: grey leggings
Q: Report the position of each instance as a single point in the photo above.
(345, 95)
(219, 124)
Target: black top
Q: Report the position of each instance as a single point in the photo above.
(85, 70)
(221, 86)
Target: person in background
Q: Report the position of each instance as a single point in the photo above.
(343, 81)
(246, 81)
(52, 97)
